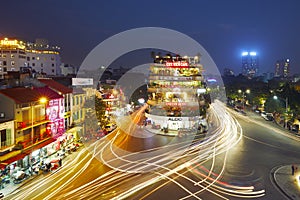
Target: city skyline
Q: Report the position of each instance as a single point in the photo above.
(225, 30)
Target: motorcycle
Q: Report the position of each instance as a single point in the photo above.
(19, 176)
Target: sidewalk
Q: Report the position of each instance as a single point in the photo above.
(287, 183)
(10, 187)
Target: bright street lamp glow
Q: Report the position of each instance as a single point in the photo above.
(43, 100)
(252, 53)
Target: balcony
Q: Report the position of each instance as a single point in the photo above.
(31, 123)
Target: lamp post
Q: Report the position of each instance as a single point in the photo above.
(41, 100)
(243, 97)
(286, 108)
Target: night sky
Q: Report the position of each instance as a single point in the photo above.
(224, 28)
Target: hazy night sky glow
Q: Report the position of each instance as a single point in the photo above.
(224, 28)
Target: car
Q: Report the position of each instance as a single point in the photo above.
(267, 116)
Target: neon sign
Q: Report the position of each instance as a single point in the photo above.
(175, 103)
(177, 64)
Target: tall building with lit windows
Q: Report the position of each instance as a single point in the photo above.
(282, 68)
(43, 58)
(38, 57)
(12, 55)
(176, 94)
(250, 64)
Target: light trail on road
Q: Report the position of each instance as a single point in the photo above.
(132, 172)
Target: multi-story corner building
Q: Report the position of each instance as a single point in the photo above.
(67, 94)
(12, 55)
(37, 118)
(39, 57)
(250, 64)
(282, 68)
(176, 88)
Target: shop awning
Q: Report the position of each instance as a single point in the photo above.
(25, 152)
(8, 161)
(39, 145)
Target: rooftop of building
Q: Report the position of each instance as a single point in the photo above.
(60, 88)
(29, 94)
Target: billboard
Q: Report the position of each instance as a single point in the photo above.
(82, 81)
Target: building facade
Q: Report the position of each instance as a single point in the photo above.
(39, 57)
(282, 68)
(12, 56)
(175, 93)
(250, 65)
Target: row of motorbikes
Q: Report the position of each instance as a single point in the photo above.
(21, 175)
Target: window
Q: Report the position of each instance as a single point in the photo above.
(12, 63)
(33, 64)
(42, 65)
(4, 63)
(4, 69)
(0, 69)
(52, 58)
(13, 69)
(0, 63)
(12, 55)
(52, 70)
(33, 58)
(52, 64)
(38, 58)
(3, 55)
(28, 58)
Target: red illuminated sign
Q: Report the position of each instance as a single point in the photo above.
(175, 103)
(177, 64)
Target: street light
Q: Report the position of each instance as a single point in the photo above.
(243, 93)
(286, 108)
(41, 100)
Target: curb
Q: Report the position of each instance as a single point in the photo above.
(274, 181)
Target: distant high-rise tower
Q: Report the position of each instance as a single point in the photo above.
(249, 64)
(282, 68)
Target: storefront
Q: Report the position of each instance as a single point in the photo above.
(173, 123)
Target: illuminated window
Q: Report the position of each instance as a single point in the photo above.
(0, 63)
(3, 55)
(12, 63)
(38, 58)
(12, 69)
(12, 55)
(0, 69)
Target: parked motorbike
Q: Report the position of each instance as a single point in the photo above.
(19, 176)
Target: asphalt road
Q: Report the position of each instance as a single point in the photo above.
(227, 164)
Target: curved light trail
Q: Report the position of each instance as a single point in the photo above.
(131, 172)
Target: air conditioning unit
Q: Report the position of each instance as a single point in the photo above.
(2, 115)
